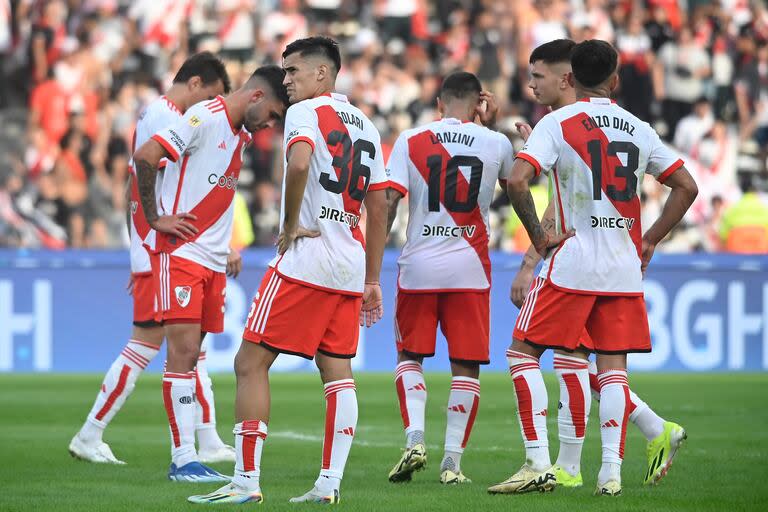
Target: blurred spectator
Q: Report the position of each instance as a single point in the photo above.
(752, 101)
(744, 226)
(634, 47)
(694, 126)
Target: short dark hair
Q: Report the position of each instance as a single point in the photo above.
(273, 76)
(460, 85)
(593, 61)
(316, 45)
(553, 52)
(207, 66)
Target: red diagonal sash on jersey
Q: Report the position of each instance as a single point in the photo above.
(213, 205)
(328, 121)
(577, 136)
(420, 148)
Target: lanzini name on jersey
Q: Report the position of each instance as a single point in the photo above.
(454, 137)
(616, 123)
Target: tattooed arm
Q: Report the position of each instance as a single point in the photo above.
(522, 201)
(145, 160)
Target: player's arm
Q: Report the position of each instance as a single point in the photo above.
(128, 202)
(296, 174)
(393, 200)
(522, 281)
(146, 161)
(522, 201)
(684, 192)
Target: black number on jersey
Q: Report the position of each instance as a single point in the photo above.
(595, 149)
(347, 180)
(452, 204)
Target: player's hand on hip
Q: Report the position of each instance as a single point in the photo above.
(286, 237)
(520, 286)
(372, 309)
(646, 255)
(178, 225)
(129, 285)
(487, 108)
(524, 129)
(551, 241)
(234, 263)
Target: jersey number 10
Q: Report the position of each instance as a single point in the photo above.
(348, 177)
(453, 203)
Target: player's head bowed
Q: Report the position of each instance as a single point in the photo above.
(595, 65)
(460, 91)
(205, 77)
(311, 65)
(267, 99)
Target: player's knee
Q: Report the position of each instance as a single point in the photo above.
(184, 352)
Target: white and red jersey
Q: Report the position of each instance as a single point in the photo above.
(206, 153)
(450, 169)
(597, 154)
(346, 163)
(158, 115)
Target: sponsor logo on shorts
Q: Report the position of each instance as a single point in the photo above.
(341, 216)
(183, 294)
(185, 399)
(448, 231)
(613, 222)
(229, 182)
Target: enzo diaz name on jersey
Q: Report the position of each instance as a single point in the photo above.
(448, 231)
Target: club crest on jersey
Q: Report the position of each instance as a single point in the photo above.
(195, 121)
(448, 231)
(613, 222)
(134, 207)
(341, 216)
(183, 294)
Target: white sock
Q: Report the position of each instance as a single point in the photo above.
(573, 410)
(205, 408)
(531, 397)
(249, 442)
(340, 425)
(463, 402)
(614, 416)
(594, 385)
(178, 397)
(116, 387)
(649, 423)
(412, 395)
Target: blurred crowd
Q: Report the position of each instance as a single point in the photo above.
(76, 74)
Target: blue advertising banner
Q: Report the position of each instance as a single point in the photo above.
(69, 312)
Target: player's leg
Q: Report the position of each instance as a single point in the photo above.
(120, 379)
(664, 437)
(571, 369)
(548, 316)
(415, 334)
(334, 355)
(465, 322)
(182, 293)
(209, 444)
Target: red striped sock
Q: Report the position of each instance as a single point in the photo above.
(463, 403)
(573, 410)
(614, 416)
(249, 442)
(178, 397)
(340, 425)
(531, 395)
(205, 407)
(117, 386)
(412, 396)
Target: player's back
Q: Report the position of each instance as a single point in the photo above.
(346, 163)
(597, 154)
(450, 170)
(157, 115)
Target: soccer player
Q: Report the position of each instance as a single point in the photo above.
(450, 168)
(309, 302)
(190, 240)
(596, 153)
(201, 77)
(550, 67)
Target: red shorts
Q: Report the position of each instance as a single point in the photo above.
(464, 319)
(188, 292)
(144, 300)
(552, 318)
(297, 319)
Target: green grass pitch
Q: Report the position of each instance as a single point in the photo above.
(723, 466)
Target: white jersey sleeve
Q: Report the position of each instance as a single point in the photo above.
(183, 136)
(378, 171)
(541, 149)
(300, 125)
(507, 157)
(662, 161)
(397, 166)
